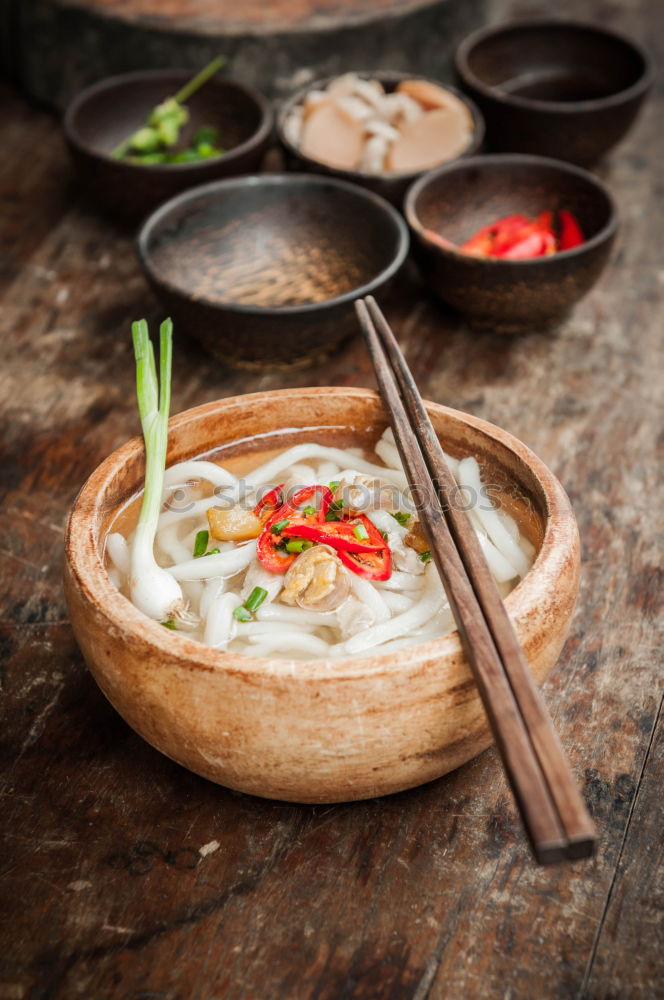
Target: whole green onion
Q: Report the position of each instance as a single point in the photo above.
(152, 589)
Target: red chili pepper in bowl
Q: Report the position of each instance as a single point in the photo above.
(340, 535)
(570, 235)
(370, 565)
(270, 547)
(270, 503)
(516, 237)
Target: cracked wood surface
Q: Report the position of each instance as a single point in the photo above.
(126, 878)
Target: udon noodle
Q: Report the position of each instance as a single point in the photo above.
(262, 564)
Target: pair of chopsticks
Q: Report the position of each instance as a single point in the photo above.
(551, 806)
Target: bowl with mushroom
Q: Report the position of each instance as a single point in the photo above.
(307, 652)
(381, 130)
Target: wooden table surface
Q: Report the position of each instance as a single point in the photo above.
(127, 878)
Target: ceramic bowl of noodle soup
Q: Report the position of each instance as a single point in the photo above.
(302, 669)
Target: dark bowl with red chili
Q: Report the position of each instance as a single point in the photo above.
(512, 242)
(552, 87)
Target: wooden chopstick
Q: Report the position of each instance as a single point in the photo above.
(551, 806)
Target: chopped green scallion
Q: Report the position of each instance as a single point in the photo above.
(201, 543)
(425, 556)
(242, 615)
(212, 552)
(360, 532)
(334, 485)
(170, 624)
(255, 599)
(298, 545)
(402, 519)
(309, 511)
(277, 528)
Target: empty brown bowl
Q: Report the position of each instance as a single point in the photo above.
(391, 185)
(556, 88)
(312, 730)
(509, 296)
(263, 271)
(101, 117)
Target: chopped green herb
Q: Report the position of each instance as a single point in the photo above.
(298, 545)
(425, 556)
(201, 543)
(171, 625)
(242, 615)
(213, 552)
(334, 485)
(401, 518)
(255, 599)
(309, 511)
(161, 130)
(277, 528)
(360, 532)
(385, 536)
(335, 506)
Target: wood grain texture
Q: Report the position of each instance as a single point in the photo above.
(430, 893)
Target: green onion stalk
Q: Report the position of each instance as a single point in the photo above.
(153, 590)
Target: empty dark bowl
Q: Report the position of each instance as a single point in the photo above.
(99, 118)
(390, 184)
(263, 271)
(506, 296)
(556, 88)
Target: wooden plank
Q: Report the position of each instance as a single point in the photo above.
(619, 966)
(427, 894)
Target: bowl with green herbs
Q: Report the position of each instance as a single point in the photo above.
(140, 138)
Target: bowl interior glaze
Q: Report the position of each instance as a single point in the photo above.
(273, 242)
(553, 63)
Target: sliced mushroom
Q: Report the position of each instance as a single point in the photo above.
(416, 539)
(234, 524)
(365, 494)
(332, 136)
(317, 580)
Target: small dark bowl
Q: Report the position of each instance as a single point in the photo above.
(509, 296)
(99, 118)
(555, 88)
(263, 270)
(391, 185)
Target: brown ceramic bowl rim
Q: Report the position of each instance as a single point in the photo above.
(508, 160)
(84, 558)
(260, 135)
(384, 76)
(465, 48)
(274, 180)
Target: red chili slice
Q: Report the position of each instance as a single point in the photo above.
(533, 244)
(339, 535)
(270, 503)
(267, 547)
(492, 240)
(571, 234)
(370, 565)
